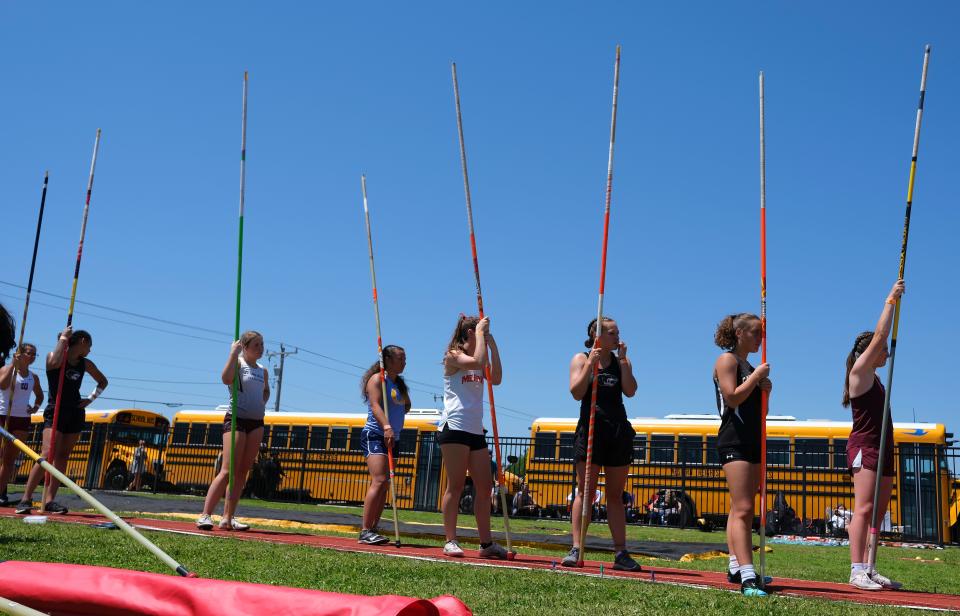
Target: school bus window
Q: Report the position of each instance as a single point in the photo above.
(778, 452)
(338, 438)
(640, 448)
(318, 438)
(215, 434)
(713, 457)
(267, 431)
(408, 442)
(355, 439)
(180, 431)
(280, 436)
(566, 446)
(299, 440)
(545, 446)
(840, 453)
(661, 448)
(85, 434)
(813, 452)
(691, 450)
(198, 432)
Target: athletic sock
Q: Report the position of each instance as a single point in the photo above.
(855, 567)
(734, 565)
(747, 573)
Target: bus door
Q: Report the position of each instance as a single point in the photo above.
(427, 488)
(95, 461)
(125, 433)
(917, 492)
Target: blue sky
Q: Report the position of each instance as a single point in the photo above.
(341, 89)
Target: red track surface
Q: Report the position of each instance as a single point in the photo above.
(782, 586)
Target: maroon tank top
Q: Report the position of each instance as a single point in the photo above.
(868, 418)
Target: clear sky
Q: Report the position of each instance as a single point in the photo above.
(340, 89)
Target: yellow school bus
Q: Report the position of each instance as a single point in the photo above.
(325, 445)
(103, 455)
(806, 461)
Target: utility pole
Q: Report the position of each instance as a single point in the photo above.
(278, 372)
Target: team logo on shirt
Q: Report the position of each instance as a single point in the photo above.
(394, 395)
(471, 378)
(608, 380)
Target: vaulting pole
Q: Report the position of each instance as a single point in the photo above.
(26, 307)
(385, 405)
(476, 272)
(874, 536)
(73, 299)
(764, 394)
(587, 500)
(236, 323)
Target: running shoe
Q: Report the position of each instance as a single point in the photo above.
(861, 579)
(4, 501)
(885, 581)
(372, 537)
(55, 507)
(452, 548)
(734, 578)
(204, 522)
(572, 558)
(750, 588)
(232, 524)
(623, 562)
(494, 550)
(24, 507)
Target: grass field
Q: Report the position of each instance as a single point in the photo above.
(485, 590)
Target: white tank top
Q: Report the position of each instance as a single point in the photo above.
(463, 401)
(250, 403)
(21, 396)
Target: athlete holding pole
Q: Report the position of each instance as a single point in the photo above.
(490, 368)
(388, 401)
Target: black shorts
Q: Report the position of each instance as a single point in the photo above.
(612, 443)
(746, 453)
(243, 425)
(69, 421)
(17, 424)
(459, 437)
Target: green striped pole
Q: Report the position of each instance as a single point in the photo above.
(236, 326)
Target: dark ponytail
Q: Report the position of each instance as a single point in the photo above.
(389, 352)
(859, 346)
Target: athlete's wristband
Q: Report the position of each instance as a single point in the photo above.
(95, 394)
(892, 302)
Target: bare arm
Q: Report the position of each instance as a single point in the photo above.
(726, 370)
(861, 375)
(56, 356)
(37, 393)
(101, 380)
(374, 391)
(628, 382)
(6, 376)
(266, 385)
(230, 369)
(581, 367)
(496, 369)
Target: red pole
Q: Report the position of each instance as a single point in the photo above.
(587, 500)
(764, 395)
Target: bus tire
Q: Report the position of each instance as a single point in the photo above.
(116, 479)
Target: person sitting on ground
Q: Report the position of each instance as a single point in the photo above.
(524, 503)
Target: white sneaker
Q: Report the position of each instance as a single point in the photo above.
(494, 550)
(861, 579)
(885, 581)
(452, 548)
(204, 522)
(233, 524)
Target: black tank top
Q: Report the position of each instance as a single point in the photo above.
(740, 424)
(609, 396)
(71, 386)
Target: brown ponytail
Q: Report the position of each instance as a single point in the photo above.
(859, 346)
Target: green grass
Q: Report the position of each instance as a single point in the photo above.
(486, 590)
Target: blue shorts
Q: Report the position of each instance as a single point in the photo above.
(373, 444)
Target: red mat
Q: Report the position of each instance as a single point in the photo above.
(420, 550)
